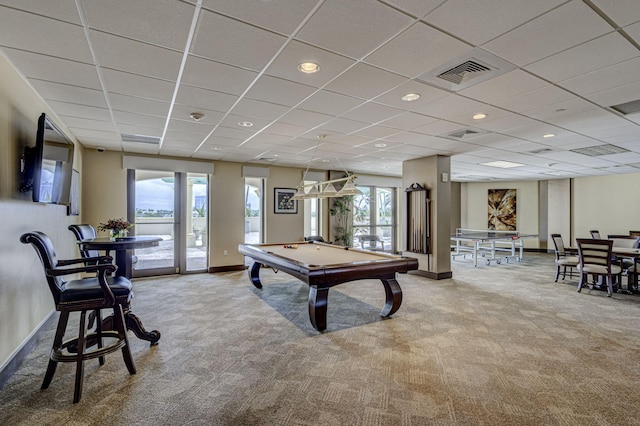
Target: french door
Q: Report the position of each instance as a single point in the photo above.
(172, 206)
(375, 214)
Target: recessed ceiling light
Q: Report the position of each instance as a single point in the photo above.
(245, 124)
(380, 145)
(308, 67)
(549, 135)
(326, 161)
(479, 116)
(502, 164)
(409, 97)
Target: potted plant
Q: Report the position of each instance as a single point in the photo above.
(341, 212)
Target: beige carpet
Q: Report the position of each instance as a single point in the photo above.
(495, 345)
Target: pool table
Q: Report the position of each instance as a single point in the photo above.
(323, 266)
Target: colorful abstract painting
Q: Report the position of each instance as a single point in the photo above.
(502, 209)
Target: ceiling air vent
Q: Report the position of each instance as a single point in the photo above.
(458, 74)
(598, 150)
(627, 107)
(152, 140)
(464, 134)
(472, 68)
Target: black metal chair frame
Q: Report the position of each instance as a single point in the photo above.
(563, 258)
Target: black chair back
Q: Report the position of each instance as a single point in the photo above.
(44, 247)
(85, 232)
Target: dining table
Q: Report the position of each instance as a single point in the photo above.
(123, 248)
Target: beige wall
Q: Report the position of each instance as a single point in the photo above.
(607, 203)
(25, 300)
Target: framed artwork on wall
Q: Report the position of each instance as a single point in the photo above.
(282, 202)
(73, 209)
(502, 210)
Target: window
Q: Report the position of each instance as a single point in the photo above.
(374, 213)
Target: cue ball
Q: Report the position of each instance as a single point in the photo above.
(318, 248)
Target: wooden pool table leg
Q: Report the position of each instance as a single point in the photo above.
(254, 274)
(318, 307)
(394, 296)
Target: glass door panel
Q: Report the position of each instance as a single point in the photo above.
(197, 217)
(155, 200)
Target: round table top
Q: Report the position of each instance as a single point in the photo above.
(120, 243)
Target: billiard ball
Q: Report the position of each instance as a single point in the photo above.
(318, 248)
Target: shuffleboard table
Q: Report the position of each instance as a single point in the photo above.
(322, 266)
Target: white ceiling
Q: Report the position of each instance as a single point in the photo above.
(143, 66)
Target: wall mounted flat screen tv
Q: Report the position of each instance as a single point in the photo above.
(52, 164)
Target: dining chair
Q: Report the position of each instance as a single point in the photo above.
(371, 242)
(563, 259)
(85, 295)
(595, 234)
(595, 259)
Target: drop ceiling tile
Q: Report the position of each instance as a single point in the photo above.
(279, 91)
(376, 132)
(233, 133)
(505, 123)
(77, 123)
(427, 94)
(417, 8)
(232, 42)
(98, 134)
(141, 105)
(408, 121)
(286, 64)
(620, 74)
(135, 57)
(341, 126)
(71, 94)
(282, 17)
(365, 24)
(160, 22)
(176, 136)
(633, 31)
(504, 86)
(567, 26)
(417, 50)
(479, 22)
(62, 40)
(590, 56)
(451, 106)
(413, 138)
(534, 99)
(196, 129)
(252, 108)
(592, 120)
(617, 95)
(622, 12)
(135, 85)
(222, 143)
(81, 111)
(329, 103)
(558, 110)
(371, 113)
(305, 118)
(48, 68)
(365, 82)
(284, 129)
(232, 80)
(233, 120)
(134, 129)
(199, 98)
(63, 10)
